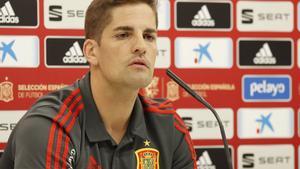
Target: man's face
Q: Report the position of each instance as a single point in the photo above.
(127, 49)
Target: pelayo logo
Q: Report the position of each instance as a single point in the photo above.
(267, 88)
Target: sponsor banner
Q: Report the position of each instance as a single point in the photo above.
(207, 90)
(266, 156)
(163, 59)
(66, 14)
(265, 16)
(203, 125)
(265, 123)
(22, 90)
(17, 14)
(8, 120)
(203, 53)
(265, 53)
(162, 87)
(64, 52)
(203, 15)
(267, 88)
(19, 51)
(163, 12)
(212, 157)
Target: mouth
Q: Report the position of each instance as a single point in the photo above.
(139, 62)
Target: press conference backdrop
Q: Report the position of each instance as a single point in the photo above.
(242, 56)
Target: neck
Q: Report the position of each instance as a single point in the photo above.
(114, 105)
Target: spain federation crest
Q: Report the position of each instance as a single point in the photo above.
(147, 158)
(6, 91)
(172, 91)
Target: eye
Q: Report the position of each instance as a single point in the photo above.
(122, 35)
(150, 37)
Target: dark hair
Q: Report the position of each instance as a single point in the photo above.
(98, 15)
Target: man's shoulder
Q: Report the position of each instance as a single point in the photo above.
(161, 106)
(57, 102)
(162, 111)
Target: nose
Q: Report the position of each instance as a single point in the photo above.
(139, 46)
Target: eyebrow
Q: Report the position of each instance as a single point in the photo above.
(128, 28)
(150, 30)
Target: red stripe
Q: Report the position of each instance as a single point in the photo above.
(68, 128)
(66, 151)
(157, 110)
(192, 150)
(166, 106)
(53, 127)
(60, 132)
(58, 147)
(49, 148)
(167, 102)
(67, 140)
(187, 137)
(181, 126)
(180, 121)
(189, 142)
(169, 111)
(93, 164)
(148, 101)
(67, 117)
(75, 115)
(160, 111)
(66, 103)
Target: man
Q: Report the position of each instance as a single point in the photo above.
(101, 122)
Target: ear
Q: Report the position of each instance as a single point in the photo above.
(90, 52)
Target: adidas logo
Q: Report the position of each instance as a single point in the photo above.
(7, 14)
(264, 56)
(204, 162)
(203, 18)
(74, 55)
